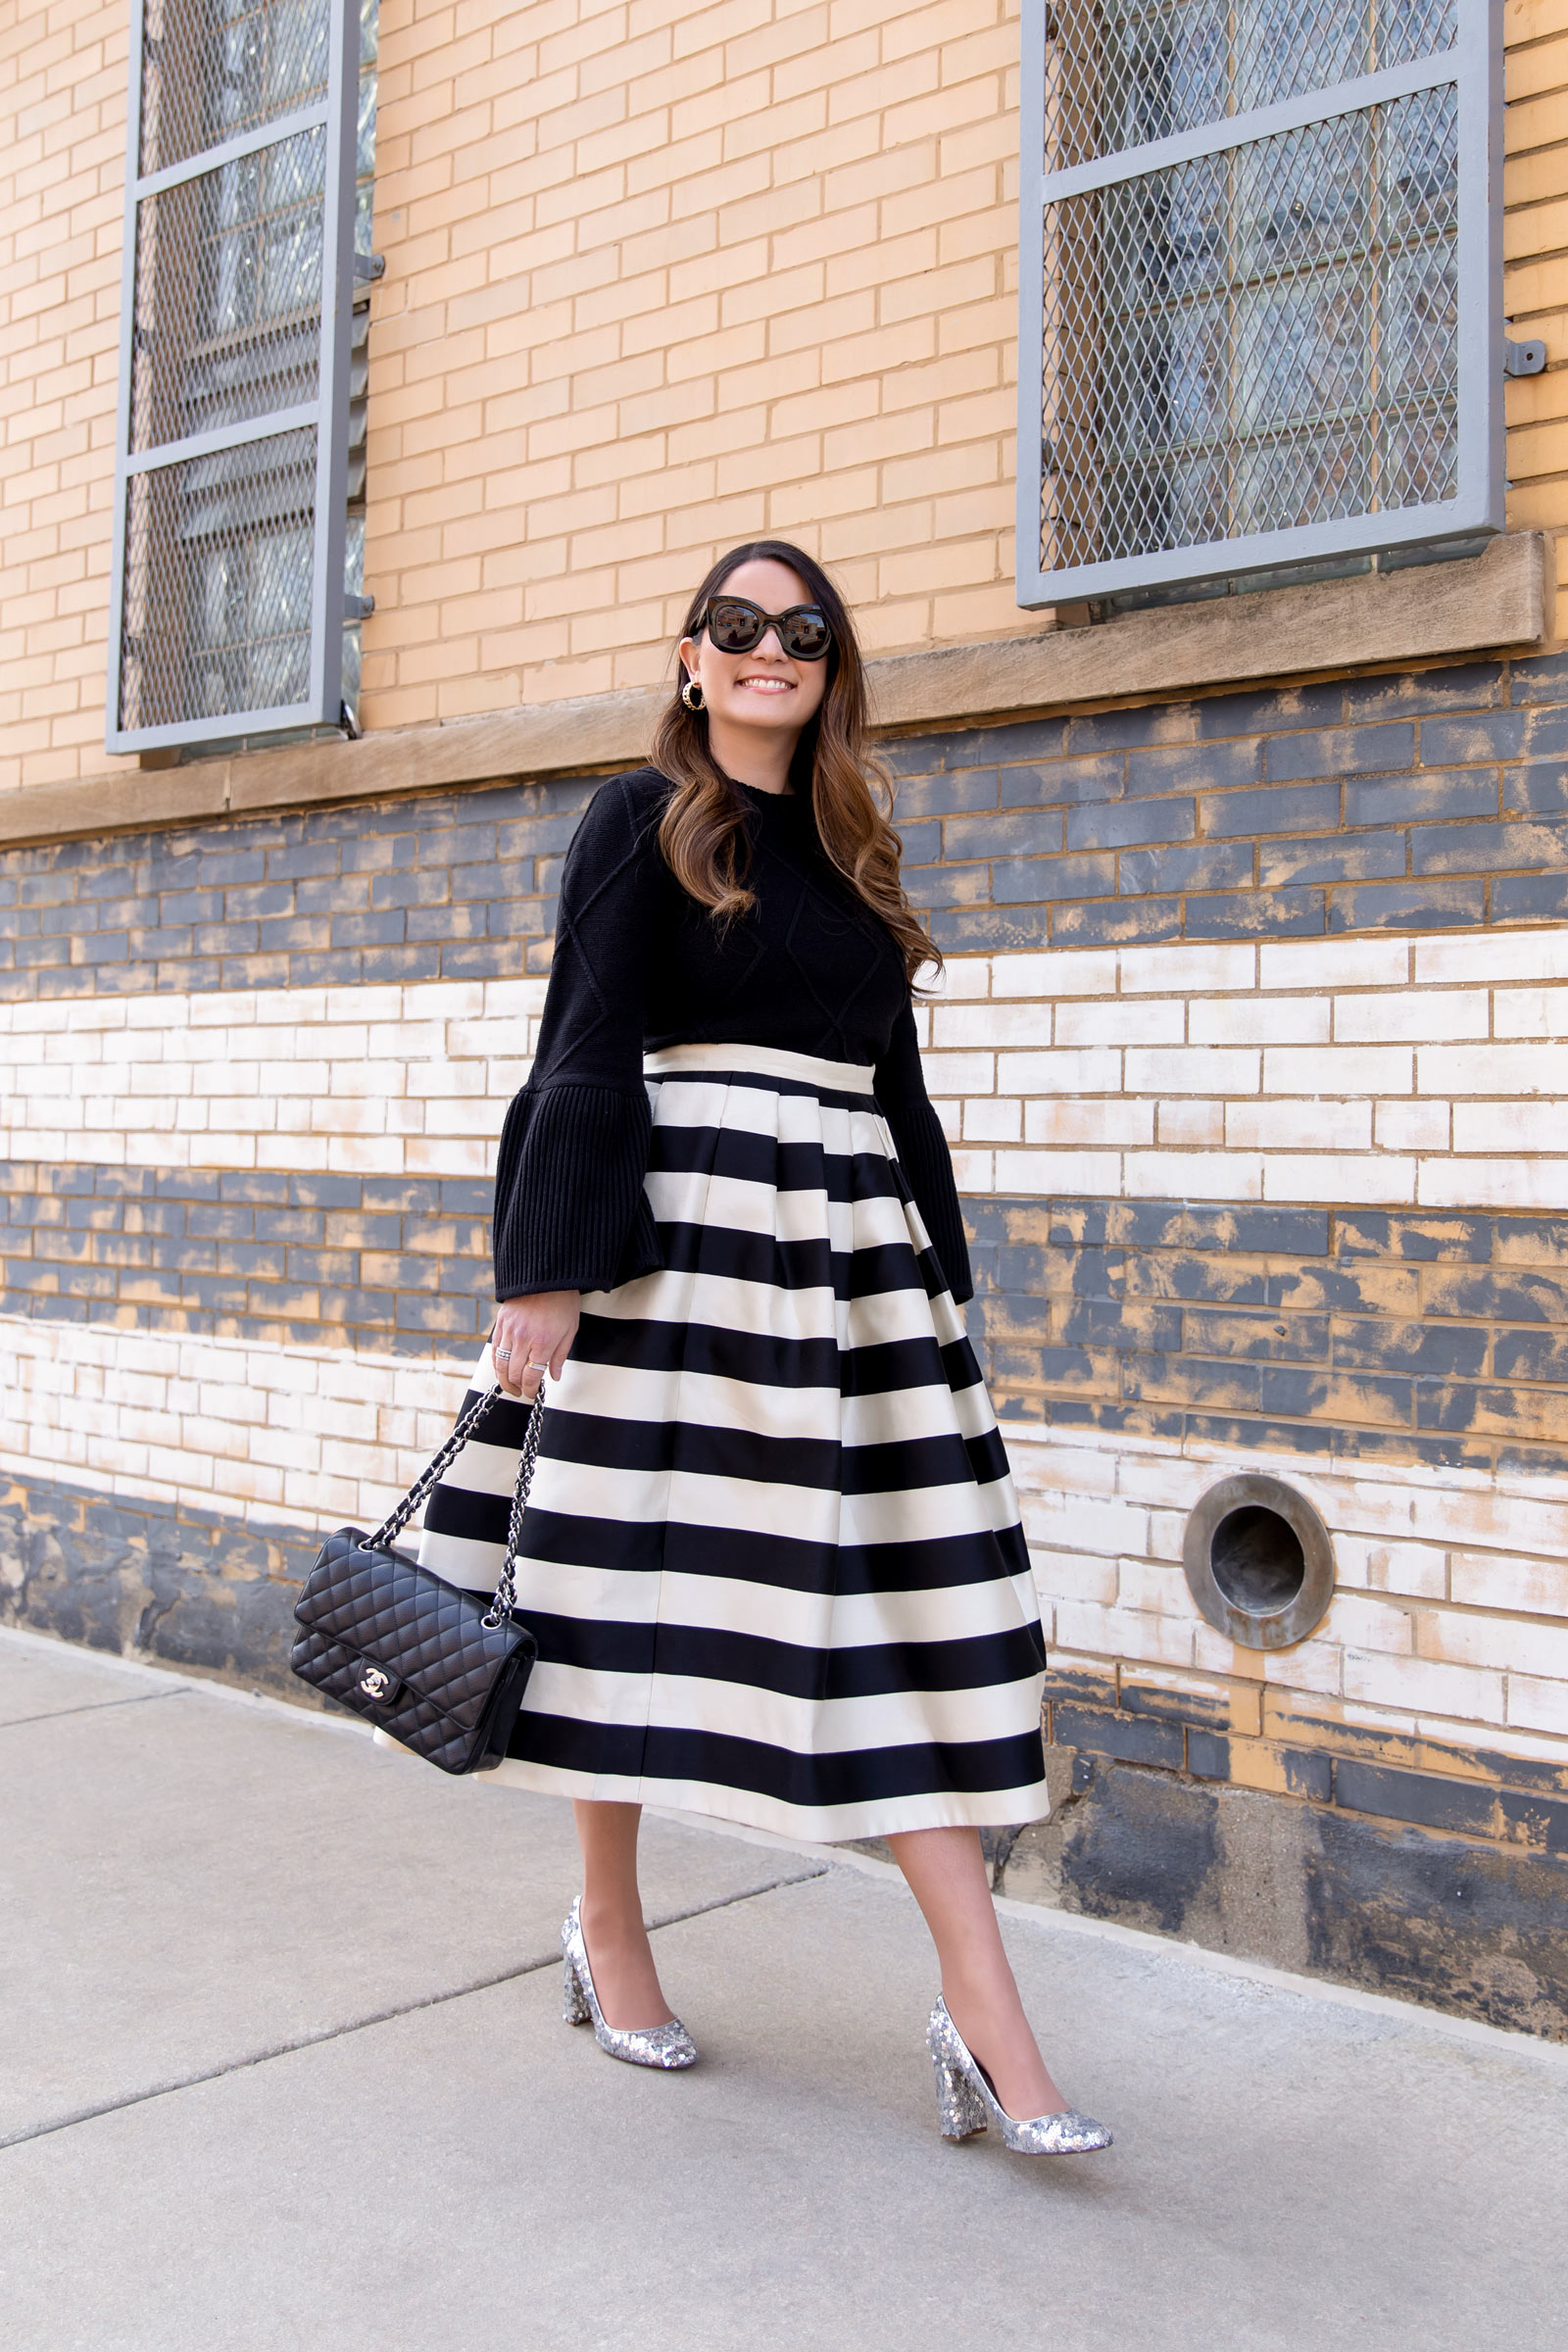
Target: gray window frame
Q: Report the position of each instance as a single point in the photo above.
(328, 413)
(1474, 67)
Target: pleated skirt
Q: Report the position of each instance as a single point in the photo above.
(772, 1557)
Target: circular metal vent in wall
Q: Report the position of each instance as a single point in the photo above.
(1259, 1562)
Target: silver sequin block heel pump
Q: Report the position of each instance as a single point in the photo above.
(668, 2045)
(966, 2102)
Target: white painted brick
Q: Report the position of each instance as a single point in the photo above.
(1530, 1012)
(1194, 1070)
(950, 1116)
(1128, 1633)
(1079, 1523)
(1091, 1070)
(993, 1119)
(1465, 1692)
(290, 1006)
(1194, 1175)
(1413, 1014)
(1487, 1516)
(385, 1004)
(1490, 1069)
(961, 977)
(1045, 1461)
(1166, 1533)
(959, 1073)
(1162, 1022)
(1537, 1704)
(1329, 964)
(1200, 968)
(1195, 1125)
(1422, 1126)
(1382, 1176)
(1489, 957)
(1510, 1643)
(1493, 1183)
(1358, 1623)
(1103, 1121)
(1483, 1580)
(974, 1171)
(1073, 1576)
(1339, 1070)
(1062, 972)
(1029, 1171)
(1482, 1127)
(1293, 1125)
(412, 1041)
(1317, 1667)
(1156, 1585)
(986, 1026)
(1419, 1571)
(1259, 1021)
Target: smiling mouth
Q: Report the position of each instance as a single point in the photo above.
(762, 685)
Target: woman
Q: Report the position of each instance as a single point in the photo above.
(772, 1556)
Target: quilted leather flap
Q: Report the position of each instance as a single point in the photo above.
(422, 1631)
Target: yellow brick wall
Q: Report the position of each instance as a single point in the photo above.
(660, 276)
(62, 194)
(1536, 261)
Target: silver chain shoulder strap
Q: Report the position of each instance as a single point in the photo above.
(387, 1534)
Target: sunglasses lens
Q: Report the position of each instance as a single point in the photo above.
(806, 634)
(734, 627)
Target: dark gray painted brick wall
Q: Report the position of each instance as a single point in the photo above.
(1426, 803)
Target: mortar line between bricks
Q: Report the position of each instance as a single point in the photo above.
(96, 1706)
(379, 2017)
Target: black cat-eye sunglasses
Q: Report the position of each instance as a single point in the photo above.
(735, 626)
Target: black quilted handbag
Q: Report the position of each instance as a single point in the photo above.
(440, 1669)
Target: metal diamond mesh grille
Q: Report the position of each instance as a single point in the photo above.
(1120, 74)
(1253, 341)
(218, 597)
(229, 293)
(214, 68)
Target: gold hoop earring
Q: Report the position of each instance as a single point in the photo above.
(691, 694)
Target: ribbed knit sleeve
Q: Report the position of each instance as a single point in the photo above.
(923, 1153)
(571, 1212)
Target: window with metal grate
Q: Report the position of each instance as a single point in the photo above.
(1260, 287)
(233, 460)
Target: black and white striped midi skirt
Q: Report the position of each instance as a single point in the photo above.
(772, 1558)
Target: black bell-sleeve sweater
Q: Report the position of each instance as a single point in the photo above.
(638, 964)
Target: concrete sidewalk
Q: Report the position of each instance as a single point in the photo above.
(284, 2067)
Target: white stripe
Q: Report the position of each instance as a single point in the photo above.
(822, 1825)
(708, 1401)
(762, 1507)
(736, 1604)
(771, 1062)
(804, 1727)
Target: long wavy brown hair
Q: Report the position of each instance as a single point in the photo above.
(703, 835)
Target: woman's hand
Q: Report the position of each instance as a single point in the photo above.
(531, 1335)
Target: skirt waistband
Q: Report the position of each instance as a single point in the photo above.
(761, 1062)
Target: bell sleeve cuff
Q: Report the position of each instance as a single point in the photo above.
(570, 1211)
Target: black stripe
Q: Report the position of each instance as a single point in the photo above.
(788, 1564)
(731, 1256)
(601, 1441)
(851, 1776)
(767, 1359)
(792, 1167)
(756, 1663)
(765, 1083)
